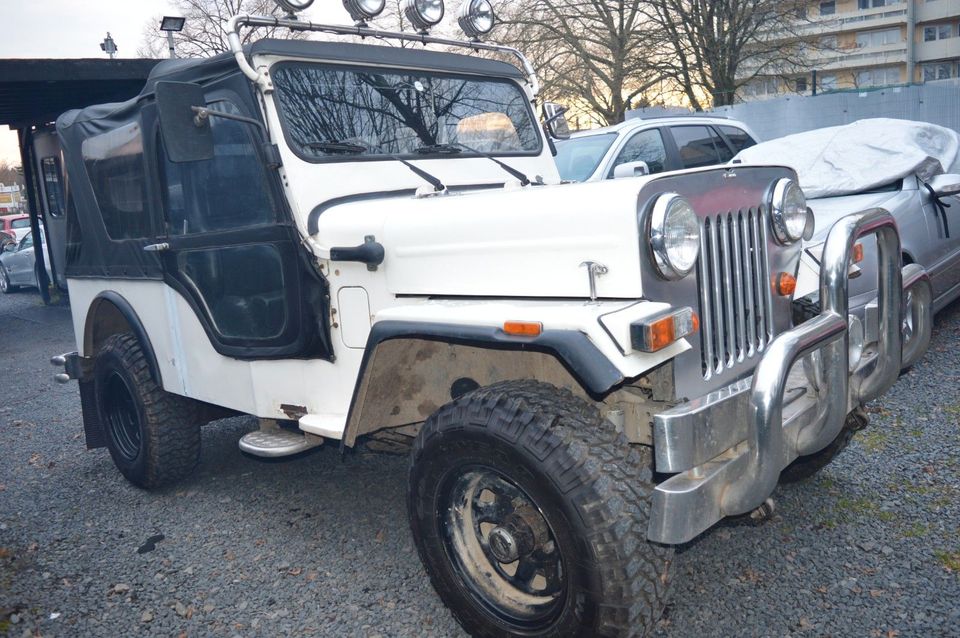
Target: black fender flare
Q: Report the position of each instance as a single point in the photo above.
(572, 348)
(136, 326)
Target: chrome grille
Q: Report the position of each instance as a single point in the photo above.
(736, 312)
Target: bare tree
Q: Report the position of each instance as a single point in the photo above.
(711, 48)
(203, 34)
(593, 54)
(10, 174)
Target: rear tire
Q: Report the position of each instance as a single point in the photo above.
(153, 436)
(526, 477)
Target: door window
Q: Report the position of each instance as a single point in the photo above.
(739, 138)
(26, 242)
(227, 192)
(698, 146)
(645, 146)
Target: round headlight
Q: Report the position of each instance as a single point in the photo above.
(423, 14)
(789, 211)
(363, 10)
(674, 236)
(476, 18)
(293, 6)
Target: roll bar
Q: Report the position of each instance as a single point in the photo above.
(236, 23)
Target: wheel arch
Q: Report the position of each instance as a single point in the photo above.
(109, 314)
(401, 379)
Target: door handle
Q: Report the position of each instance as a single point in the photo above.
(370, 252)
(156, 248)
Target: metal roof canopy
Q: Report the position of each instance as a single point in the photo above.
(36, 92)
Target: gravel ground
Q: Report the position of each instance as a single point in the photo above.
(320, 545)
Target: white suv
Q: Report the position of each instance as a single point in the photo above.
(649, 146)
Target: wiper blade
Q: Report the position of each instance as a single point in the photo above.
(439, 149)
(333, 146)
(524, 180)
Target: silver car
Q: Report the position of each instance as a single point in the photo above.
(18, 265)
(652, 145)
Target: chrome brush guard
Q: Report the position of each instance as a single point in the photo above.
(730, 446)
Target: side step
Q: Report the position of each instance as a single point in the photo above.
(274, 442)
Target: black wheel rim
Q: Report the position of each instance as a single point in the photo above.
(502, 547)
(120, 413)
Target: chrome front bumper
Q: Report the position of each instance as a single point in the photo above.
(727, 449)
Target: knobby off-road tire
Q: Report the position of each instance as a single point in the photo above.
(524, 469)
(153, 436)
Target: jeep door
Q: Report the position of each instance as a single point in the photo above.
(229, 248)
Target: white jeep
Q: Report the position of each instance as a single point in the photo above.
(341, 239)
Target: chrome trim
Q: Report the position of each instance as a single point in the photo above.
(658, 231)
(779, 224)
(235, 23)
(736, 303)
(732, 444)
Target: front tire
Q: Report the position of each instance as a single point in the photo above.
(153, 436)
(5, 286)
(530, 513)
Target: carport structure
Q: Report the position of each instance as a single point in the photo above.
(33, 93)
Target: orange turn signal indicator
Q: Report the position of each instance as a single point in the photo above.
(785, 284)
(857, 253)
(658, 332)
(523, 328)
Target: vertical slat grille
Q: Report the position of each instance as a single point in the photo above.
(735, 299)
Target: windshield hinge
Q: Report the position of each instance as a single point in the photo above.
(271, 154)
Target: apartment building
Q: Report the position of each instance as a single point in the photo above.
(871, 43)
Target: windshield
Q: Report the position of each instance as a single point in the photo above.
(579, 157)
(332, 111)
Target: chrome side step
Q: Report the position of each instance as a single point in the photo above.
(272, 442)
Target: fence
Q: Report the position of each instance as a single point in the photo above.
(933, 102)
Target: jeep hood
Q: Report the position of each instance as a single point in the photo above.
(508, 242)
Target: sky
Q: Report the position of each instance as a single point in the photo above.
(75, 29)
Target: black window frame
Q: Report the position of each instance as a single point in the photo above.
(60, 196)
(343, 159)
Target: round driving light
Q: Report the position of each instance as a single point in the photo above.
(789, 211)
(856, 340)
(293, 6)
(476, 18)
(423, 14)
(363, 10)
(674, 236)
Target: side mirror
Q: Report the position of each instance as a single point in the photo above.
(631, 169)
(555, 120)
(945, 185)
(186, 137)
(10, 248)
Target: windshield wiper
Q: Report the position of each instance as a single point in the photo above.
(457, 147)
(333, 146)
(439, 149)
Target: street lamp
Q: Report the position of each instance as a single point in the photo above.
(172, 24)
(108, 46)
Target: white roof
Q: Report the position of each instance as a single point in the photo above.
(843, 160)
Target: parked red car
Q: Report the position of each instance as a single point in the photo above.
(15, 225)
